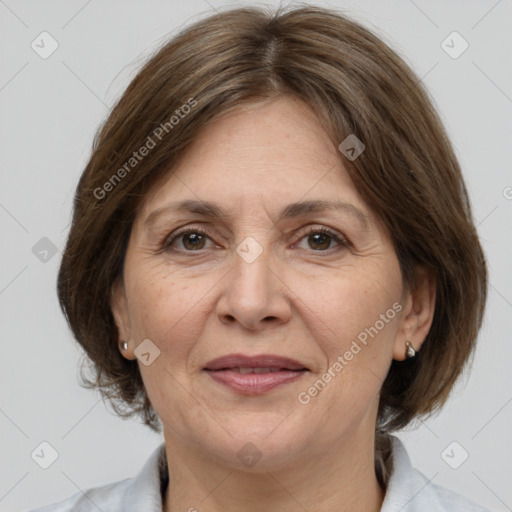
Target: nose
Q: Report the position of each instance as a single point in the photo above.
(255, 295)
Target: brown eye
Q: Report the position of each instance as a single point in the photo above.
(319, 241)
(193, 241)
(322, 240)
(188, 241)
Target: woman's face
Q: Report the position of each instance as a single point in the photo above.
(258, 244)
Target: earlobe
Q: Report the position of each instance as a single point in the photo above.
(126, 350)
(411, 351)
(417, 317)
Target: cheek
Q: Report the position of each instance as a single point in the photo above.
(367, 320)
(170, 312)
(357, 345)
(354, 322)
(349, 308)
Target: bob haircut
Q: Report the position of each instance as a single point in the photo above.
(408, 175)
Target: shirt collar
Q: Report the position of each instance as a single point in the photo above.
(407, 490)
(147, 489)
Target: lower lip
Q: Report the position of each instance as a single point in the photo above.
(254, 383)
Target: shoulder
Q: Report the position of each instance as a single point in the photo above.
(106, 497)
(143, 492)
(438, 498)
(409, 490)
(453, 501)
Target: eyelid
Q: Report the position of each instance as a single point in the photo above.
(169, 239)
(340, 239)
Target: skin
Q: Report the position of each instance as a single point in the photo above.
(304, 297)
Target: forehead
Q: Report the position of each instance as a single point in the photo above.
(269, 154)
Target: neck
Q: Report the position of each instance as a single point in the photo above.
(341, 479)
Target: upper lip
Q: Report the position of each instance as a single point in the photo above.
(257, 361)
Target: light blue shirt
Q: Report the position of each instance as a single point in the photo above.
(407, 490)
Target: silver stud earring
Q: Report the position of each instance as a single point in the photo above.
(410, 350)
(124, 345)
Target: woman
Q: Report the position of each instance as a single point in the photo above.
(272, 260)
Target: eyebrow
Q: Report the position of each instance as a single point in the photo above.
(290, 211)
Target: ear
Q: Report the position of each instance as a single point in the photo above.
(417, 315)
(120, 312)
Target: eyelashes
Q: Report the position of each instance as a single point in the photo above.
(320, 234)
(319, 239)
(203, 235)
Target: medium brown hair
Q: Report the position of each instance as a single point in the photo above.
(408, 174)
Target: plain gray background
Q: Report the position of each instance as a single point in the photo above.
(50, 110)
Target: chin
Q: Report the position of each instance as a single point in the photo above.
(256, 447)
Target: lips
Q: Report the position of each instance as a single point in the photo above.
(254, 375)
(267, 362)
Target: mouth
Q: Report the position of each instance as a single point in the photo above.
(254, 375)
(260, 362)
